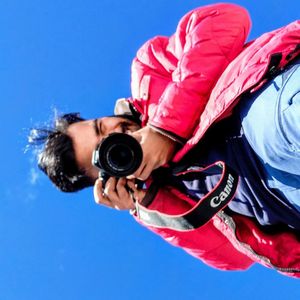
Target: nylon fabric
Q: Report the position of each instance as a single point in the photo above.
(166, 77)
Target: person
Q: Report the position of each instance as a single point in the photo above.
(203, 99)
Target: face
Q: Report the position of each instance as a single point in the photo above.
(86, 135)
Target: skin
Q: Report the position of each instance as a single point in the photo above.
(157, 151)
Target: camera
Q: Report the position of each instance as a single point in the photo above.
(118, 155)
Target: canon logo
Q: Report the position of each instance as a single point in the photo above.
(217, 200)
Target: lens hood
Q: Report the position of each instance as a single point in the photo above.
(118, 155)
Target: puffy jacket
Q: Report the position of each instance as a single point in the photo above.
(180, 71)
(182, 85)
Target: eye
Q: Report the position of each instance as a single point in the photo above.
(126, 127)
(99, 127)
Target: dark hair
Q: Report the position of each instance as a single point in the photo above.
(57, 157)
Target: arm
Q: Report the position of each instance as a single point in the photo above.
(174, 76)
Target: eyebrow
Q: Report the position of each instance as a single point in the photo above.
(95, 125)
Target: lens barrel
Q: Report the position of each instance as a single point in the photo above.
(118, 155)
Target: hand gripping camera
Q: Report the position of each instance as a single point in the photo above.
(118, 155)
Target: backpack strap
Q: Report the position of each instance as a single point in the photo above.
(208, 206)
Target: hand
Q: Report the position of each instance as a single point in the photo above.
(116, 195)
(157, 151)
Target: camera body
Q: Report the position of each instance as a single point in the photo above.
(118, 155)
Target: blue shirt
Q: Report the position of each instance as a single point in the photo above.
(226, 141)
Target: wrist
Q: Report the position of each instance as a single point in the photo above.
(173, 137)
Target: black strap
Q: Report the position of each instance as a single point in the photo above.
(273, 68)
(203, 211)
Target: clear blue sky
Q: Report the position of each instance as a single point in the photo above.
(75, 55)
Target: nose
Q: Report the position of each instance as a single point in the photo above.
(109, 125)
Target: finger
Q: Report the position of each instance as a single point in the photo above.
(116, 191)
(99, 197)
(136, 193)
(97, 191)
(137, 173)
(132, 185)
(145, 172)
(110, 188)
(132, 191)
(121, 188)
(125, 200)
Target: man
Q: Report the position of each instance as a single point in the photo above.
(189, 95)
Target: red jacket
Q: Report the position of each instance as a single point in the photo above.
(200, 73)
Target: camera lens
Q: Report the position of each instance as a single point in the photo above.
(118, 155)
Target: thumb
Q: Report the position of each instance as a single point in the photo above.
(131, 184)
(137, 194)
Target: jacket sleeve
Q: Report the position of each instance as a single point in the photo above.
(182, 70)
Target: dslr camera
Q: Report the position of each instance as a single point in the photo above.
(118, 155)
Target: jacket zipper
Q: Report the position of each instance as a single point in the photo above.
(230, 222)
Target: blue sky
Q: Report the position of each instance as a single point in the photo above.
(75, 56)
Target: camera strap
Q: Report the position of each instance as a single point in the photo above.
(203, 210)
